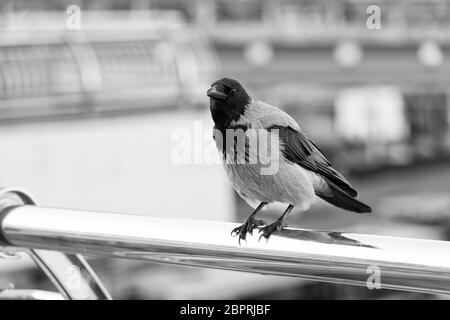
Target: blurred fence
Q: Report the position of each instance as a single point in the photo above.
(61, 72)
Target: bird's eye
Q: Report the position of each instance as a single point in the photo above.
(233, 91)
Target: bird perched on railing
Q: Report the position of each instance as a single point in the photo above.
(268, 158)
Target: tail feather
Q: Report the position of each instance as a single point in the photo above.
(339, 180)
(342, 200)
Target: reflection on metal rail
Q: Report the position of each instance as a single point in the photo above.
(399, 263)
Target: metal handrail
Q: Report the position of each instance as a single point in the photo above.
(70, 273)
(346, 258)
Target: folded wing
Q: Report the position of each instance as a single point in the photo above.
(299, 149)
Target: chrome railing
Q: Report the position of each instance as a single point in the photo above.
(70, 273)
(346, 258)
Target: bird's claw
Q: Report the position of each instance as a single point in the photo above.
(271, 228)
(253, 224)
(236, 231)
(241, 231)
(247, 227)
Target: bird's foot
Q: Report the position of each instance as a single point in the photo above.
(248, 227)
(271, 228)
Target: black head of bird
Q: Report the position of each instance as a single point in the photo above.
(228, 100)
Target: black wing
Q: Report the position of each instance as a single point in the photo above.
(299, 149)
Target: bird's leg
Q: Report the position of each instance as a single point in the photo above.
(277, 225)
(250, 224)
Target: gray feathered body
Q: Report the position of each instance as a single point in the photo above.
(290, 184)
(303, 172)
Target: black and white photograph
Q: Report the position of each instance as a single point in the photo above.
(224, 154)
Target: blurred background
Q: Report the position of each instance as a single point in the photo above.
(91, 93)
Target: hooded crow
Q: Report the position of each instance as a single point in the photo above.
(244, 131)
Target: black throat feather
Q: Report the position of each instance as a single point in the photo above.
(225, 112)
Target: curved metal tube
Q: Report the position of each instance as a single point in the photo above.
(398, 263)
(70, 273)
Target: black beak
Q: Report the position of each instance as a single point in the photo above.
(217, 92)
